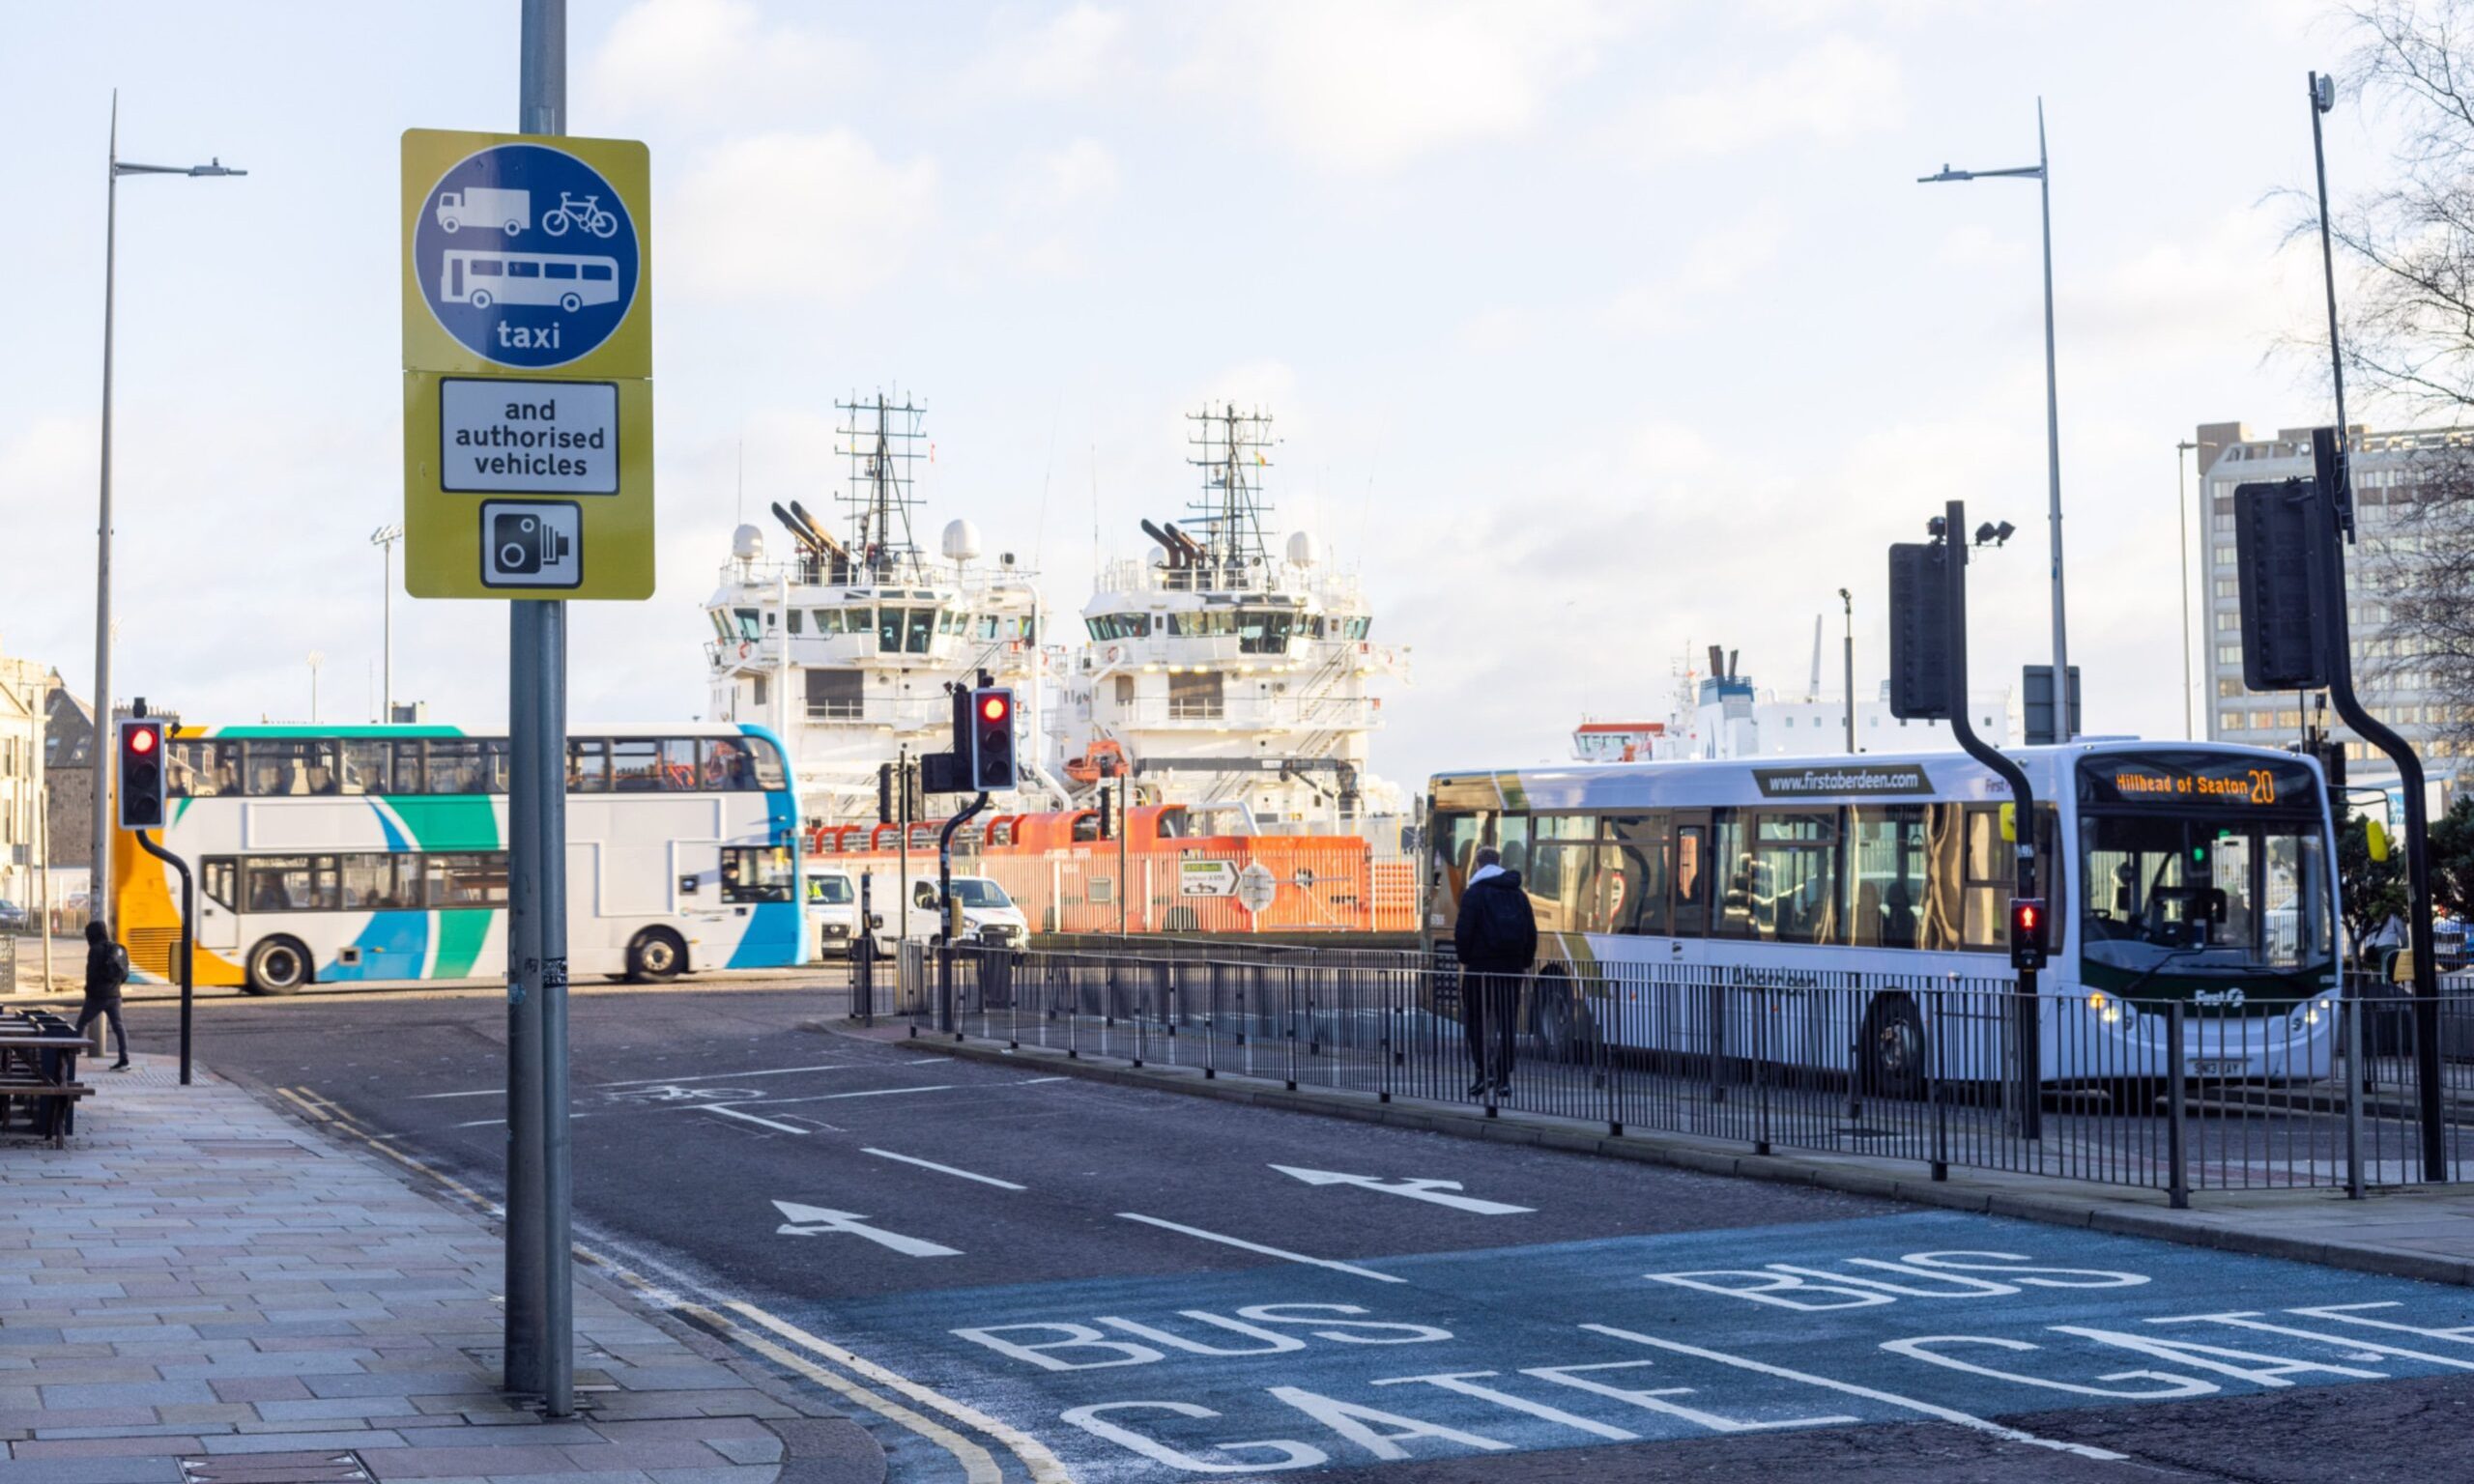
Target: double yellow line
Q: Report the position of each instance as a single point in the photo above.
(978, 1464)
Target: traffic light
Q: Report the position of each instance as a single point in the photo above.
(2277, 533)
(1108, 812)
(141, 775)
(884, 793)
(2027, 933)
(1919, 631)
(991, 739)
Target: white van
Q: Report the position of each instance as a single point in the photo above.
(833, 912)
(988, 915)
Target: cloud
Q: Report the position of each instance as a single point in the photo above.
(1050, 215)
(1369, 86)
(799, 216)
(1070, 56)
(1716, 263)
(694, 57)
(1829, 92)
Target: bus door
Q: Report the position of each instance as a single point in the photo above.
(219, 897)
(1692, 874)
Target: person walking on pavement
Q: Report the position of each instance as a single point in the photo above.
(1497, 939)
(107, 970)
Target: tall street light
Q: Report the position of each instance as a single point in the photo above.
(2040, 172)
(317, 657)
(2182, 517)
(101, 870)
(384, 539)
(1847, 602)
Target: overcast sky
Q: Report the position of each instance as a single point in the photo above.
(1593, 331)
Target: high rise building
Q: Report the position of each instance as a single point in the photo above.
(2385, 474)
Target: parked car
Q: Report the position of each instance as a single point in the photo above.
(13, 917)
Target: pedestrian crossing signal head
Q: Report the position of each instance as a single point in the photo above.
(2028, 929)
(141, 775)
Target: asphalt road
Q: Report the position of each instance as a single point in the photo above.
(1063, 1278)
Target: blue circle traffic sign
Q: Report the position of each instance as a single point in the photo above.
(526, 255)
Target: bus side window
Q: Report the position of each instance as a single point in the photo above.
(1634, 876)
(219, 878)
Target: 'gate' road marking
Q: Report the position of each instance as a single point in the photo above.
(1256, 1246)
(944, 1169)
(1886, 1398)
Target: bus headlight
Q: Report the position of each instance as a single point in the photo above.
(2108, 1008)
(2312, 1011)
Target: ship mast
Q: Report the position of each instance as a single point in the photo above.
(1231, 449)
(882, 439)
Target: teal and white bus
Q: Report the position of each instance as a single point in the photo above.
(1865, 897)
(345, 854)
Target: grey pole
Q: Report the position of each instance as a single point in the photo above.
(2323, 97)
(384, 539)
(2052, 450)
(100, 864)
(2182, 517)
(1847, 602)
(540, 1355)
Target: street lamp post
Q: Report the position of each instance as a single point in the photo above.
(316, 659)
(100, 870)
(384, 539)
(1847, 602)
(2041, 173)
(2182, 517)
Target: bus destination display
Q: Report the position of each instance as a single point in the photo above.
(2190, 779)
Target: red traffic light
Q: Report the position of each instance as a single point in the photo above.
(141, 740)
(994, 706)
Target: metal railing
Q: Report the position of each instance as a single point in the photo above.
(1902, 1071)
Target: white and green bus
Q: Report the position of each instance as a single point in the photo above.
(1858, 895)
(347, 855)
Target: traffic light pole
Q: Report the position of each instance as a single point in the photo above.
(189, 929)
(2328, 597)
(945, 911)
(2026, 1018)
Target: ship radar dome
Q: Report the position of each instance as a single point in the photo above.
(747, 543)
(962, 541)
(1303, 551)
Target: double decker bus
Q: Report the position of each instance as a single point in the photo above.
(340, 854)
(1854, 895)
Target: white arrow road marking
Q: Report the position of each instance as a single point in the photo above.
(816, 1221)
(1432, 1191)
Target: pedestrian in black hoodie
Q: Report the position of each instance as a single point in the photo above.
(107, 970)
(1497, 939)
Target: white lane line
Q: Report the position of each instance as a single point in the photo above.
(1034, 1081)
(479, 1091)
(483, 1122)
(729, 1076)
(727, 1111)
(1256, 1246)
(944, 1169)
(1886, 1398)
(879, 1091)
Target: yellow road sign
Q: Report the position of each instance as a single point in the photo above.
(528, 489)
(528, 348)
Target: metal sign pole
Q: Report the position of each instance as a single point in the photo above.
(188, 929)
(540, 1339)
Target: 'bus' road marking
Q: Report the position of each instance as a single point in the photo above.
(1433, 1191)
(1256, 1246)
(816, 1221)
(944, 1169)
(1886, 1398)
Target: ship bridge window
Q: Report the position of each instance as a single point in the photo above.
(1263, 632)
(795, 615)
(923, 623)
(1195, 698)
(1121, 626)
(988, 626)
(748, 629)
(722, 629)
(889, 630)
(835, 695)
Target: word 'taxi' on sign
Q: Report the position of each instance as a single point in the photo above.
(528, 367)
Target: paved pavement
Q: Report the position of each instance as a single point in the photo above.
(1009, 1272)
(201, 1288)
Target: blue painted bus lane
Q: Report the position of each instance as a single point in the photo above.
(1962, 1319)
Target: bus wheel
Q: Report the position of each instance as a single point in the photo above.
(656, 956)
(481, 299)
(1892, 1051)
(277, 967)
(1564, 1030)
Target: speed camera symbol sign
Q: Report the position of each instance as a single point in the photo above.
(531, 543)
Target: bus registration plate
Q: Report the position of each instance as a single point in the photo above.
(2232, 1069)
